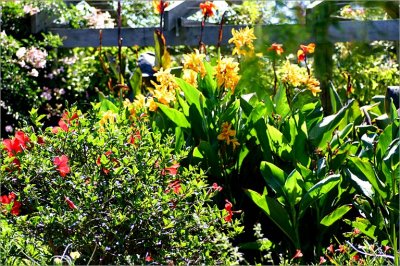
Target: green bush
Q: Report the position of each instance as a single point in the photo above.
(106, 186)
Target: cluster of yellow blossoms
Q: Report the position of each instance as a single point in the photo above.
(243, 41)
(192, 64)
(297, 77)
(164, 90)
(227, 133)
(226, 73)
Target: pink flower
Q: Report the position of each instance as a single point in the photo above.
(331, 249)
(216, 187)
(71, 205)
(298, 254)
(61, 163)
(322, 260)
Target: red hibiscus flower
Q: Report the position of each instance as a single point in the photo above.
(65, 122)
(62, 165)
(172, 170)
(16, 144)
(10, 199)
(108, 155)
(298, 254)
(71, 205)
(207, 8)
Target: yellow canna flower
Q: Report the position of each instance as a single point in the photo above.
(194, 61)
(243, 41)
(163, 95)
(293, 74)
(227, 133)
(313, 86)
(226, 73)
(152, 105)
(190, 76)
(166, 79)
(109, 117)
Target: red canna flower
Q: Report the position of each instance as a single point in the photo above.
(207, 8)
(62, 165)
(71, 205)
(298, 254)
(175, 185)
(277, 48)
(172, 170)
(64, 122)
(322, 260)
(216, 187)
(10, 199)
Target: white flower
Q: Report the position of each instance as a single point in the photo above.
(75, 255)
(33, 73)
(21, 52)
(57, 261)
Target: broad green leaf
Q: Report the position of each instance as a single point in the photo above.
(391, 159)
(210, 156)
(179, 139)
(341, 136)
(192, 95)
(246, 106)
(292, 188)
(363, 185)
(275, 212)
(263, 138)
(174, 115)
(335, 98)
(231, 111)
(278, 142)
(313, 114)
(136, 81)
(273, 176)
(199, 128)
(337, 214)
(364, 170)
(317, 191)
(210, 85)
(321, 133)
(184, 105)
(365, 227)
(300, 142)
(107, 105)
(281, 104)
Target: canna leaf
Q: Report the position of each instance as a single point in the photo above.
(275, 212)
(175, 116)
(273, 176)
(337, 214)
(335, 98)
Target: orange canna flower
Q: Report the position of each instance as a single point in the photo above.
(159, 6)
(277, 48)
(305, 49)
(207, 8)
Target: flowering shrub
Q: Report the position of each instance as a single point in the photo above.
(116, 192)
